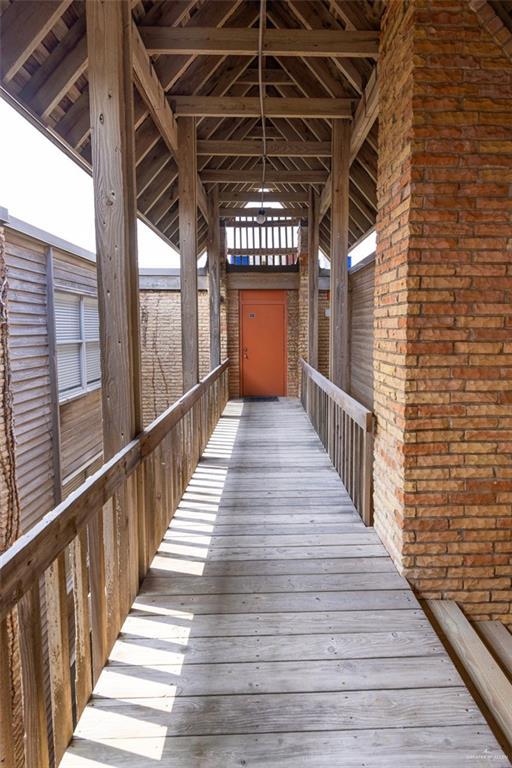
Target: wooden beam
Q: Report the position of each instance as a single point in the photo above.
(187, 165)
(365, 116)
(113, 165)
(313, 276)
(234, 196)
(153, 94)
(231, 212)
(24, 26)
(253, 176)
(255, 148)
(249, 106)
(338, 327)
(366, 113)
(214, 269)
(201, 41)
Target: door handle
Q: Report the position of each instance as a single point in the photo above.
(245, 353)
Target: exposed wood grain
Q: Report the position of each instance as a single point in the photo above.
(386, 748)
(249, 106)
(313, 276)
(24, 26)
(212, 147)
(499, 640)
(297, 42)
(214, 271)
(338, 323)
(31, 654)
(489, 679)
(187, 162)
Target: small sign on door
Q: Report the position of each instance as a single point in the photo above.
(252, 314)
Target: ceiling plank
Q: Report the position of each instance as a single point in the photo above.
(277, 42)
(214, 13)
(249, 106)
(270, 77)
(311, 16)
(58, 73)
(24, 26)
(274, 148)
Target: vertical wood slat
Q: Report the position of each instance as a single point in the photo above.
(31, 655)
(83, 664)
(6, 714)
(97, 588)
(58, 655)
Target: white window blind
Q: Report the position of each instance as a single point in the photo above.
(77, 338)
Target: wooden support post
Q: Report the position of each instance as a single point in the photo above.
(214, 266)
(187, 167)
(109, 40)
(338, 336)
(313, 270)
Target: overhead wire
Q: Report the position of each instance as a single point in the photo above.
(262, 25)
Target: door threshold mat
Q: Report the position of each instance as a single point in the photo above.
(260, 399)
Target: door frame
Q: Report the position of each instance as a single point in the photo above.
(262, 296)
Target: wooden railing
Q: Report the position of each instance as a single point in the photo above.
(85, 560)
(345, 428)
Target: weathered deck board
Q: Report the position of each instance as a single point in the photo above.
(273, 630)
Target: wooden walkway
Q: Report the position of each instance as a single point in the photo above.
(273, 629)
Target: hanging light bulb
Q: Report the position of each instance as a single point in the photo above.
(261, 217)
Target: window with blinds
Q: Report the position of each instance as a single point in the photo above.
(78, 344)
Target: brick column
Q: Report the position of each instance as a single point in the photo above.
(443, 320)
(303, 291)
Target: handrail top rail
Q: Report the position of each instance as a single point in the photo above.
(358, 412)
(33, 552)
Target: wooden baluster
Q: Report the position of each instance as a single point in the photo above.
(58, 655)
(366, 512)
(83, 669)
(142, 512)
(6, 714)
(97, 587)
(31, 653)
(150, 503)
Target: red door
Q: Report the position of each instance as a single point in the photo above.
(263, 352)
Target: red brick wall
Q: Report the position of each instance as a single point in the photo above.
(443, 379)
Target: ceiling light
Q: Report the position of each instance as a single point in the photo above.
(261, 217)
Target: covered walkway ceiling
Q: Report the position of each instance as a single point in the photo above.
(199, 57)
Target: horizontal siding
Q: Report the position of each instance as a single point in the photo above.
(30, 375)
(72, 273)
(361, 284)
(81, 416)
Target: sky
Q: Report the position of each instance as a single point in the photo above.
(41, 185)
(44, 187)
